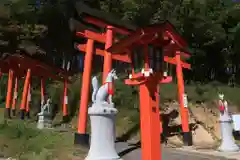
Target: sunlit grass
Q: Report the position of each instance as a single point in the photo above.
(23, 141)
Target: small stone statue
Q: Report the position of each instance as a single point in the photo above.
(105, 92)
(223, 106)
(44, 117)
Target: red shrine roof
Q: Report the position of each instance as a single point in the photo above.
(158, 35)
(4, 66)
(20, 63)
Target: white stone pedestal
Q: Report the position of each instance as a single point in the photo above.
(44, 120)
(102, 145)
(228, 143)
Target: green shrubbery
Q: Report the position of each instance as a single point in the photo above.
(126, 96)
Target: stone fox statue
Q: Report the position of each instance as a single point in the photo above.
(105, 92)
(45, 108)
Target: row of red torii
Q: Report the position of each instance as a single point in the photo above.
(156, 37)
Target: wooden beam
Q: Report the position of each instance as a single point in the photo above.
(119, 57)
(100, 23)
(92, 35)
(175, 37)
(184, 54)
(167, 79)
(126, 43)
(172, 48)
(33, 62)
(173, 61)
(39, 68)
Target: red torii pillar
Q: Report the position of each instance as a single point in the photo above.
(107, 65)
(81, 137)
(42, 90)
(24, 95)
(65, 102)
(187, 134)
(28, 103)
(15, 96)
(175, 48)
(9, 93)
(149, 105)
(149, 113)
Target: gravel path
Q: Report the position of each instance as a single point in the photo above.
(131, 153)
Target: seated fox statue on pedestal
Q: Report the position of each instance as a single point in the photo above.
(105, 92)
(102, 143)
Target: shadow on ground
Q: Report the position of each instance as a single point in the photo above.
(131, 148)
(167, 131)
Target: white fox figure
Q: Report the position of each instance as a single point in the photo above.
(45, 108)
(105, 92)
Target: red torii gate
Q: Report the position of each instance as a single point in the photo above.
(26, 65)
(156, 36)
(105, 38)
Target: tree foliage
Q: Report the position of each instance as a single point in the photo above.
(211, 27)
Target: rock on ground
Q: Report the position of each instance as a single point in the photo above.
(206, 124)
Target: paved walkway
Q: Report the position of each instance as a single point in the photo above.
(228, 155)
(132, 153)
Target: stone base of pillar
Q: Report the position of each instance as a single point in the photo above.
(14, 112)
(65, 119)
(7, 113)
(22, 114)
(81, 139)
(28, 115)
(187, 138)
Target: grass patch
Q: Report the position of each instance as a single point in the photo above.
(23, 141)
(127, 123)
